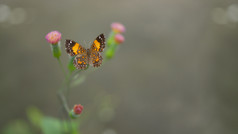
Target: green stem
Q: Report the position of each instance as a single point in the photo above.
(61, 96)
(63, 101)
(68, 81)
(61, 66)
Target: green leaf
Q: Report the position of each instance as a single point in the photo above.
(52, 125)
(17, 127)
(71, 67)
(34, 115)
(78, 81)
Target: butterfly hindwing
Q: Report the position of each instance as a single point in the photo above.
(73, 48)
(95, 59)
(81, 61)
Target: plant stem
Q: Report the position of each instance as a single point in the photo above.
(61, 66)
(61, 96)
(63, 101)
(68, 81)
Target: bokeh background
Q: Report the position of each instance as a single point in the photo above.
(176, 73)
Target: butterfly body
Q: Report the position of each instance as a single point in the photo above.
(85, 57)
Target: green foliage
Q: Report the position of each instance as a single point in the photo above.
(51, 126)
(45, 125)
(111, 46)
(55, 126)
(34, 115)
(71, 67)
(17, 127)
(78, 81)
(111, 51)
(111, 39)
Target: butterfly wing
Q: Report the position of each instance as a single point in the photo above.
(81, 61)
(73, 48)
(95, 58)
(99, 43)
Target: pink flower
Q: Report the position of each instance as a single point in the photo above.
(119, 38)
(118, 27)
(53, 37)
(78, 109)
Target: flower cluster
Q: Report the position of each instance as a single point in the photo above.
(115, 38)
(53, 37)
(118, 27)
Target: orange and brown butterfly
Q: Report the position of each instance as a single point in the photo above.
(85, 57)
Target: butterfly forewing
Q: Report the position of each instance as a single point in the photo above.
(95, 58)
(73, 48)
(99, 43)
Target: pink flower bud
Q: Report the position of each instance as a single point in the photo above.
(53, 37)
(119, 38)
(78, 109)
(118, 27)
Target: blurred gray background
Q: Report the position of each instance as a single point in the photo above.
(176, 73)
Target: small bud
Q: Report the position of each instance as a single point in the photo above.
(53, 37)
(76, 111)
(119, 38)
(118, 27)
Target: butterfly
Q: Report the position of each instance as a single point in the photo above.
(84, 57)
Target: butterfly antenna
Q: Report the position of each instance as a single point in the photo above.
(85, 43)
